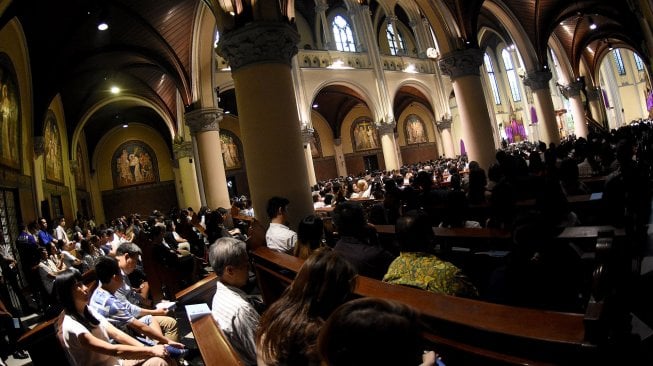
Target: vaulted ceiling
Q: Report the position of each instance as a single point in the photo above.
(147, 51)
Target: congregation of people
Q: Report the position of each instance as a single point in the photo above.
(316, 320)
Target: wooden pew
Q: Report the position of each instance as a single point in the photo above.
(464, 331)
(211, 341)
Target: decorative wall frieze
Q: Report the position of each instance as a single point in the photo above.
(205, 119)
(259, 42)
(461, 63)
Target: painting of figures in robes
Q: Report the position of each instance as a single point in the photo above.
(80, 173)
(415, 130)
(365, 136)
(315, 145)
(9, 115)
(231, 151)
(134, 163)
(53, 150)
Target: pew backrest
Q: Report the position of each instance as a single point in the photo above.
(465, 330)
(212, 343)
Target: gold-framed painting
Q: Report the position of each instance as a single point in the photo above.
(10, 115)
(415, 130)
(134, 163)
(53, 151)
(80, 173)
(364, 134)
(231, 150)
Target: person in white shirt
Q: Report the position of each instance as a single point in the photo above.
(86, 335)
(279, 237)
(60, 232)
(235, 315)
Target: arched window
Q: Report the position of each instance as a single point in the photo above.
(638, 63)
(512, 75)
(619, 61)
(493, 80)
(343, 35)
(395, 49)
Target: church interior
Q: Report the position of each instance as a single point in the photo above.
(110, 108)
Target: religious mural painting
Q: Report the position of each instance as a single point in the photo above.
(9, 115)
(315, 145)
(53, 151)
(80, 176)
(415, 130)
(231, 150)
(134, 163)
(364, 134)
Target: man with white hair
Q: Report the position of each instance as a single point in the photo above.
(237, 318)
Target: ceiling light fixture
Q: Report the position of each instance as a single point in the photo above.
(592, 24)
(115, 90)
(315, 105)
(102, 26)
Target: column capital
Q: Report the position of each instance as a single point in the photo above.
(538, 80)
(445, 124)
(39, 145)
(74, 166)
(392, 18)
(594, 93)
(321, 7)
(259, 42)
(386, 128)
(573, 89)
(202, 120)
(461, 63)
(337, 141)
(182, 149)
(307, 134)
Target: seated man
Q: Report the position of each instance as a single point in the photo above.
(122, 314)
(358, 242)
(417, 267)
(279, 237)
(236, 317)
(128, 256)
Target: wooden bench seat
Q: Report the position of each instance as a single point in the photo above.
(465, 331)
(212, 343)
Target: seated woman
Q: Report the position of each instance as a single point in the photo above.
(372, 331)
(417, 267)
(288, 330)
(86, 336)
(309, 236)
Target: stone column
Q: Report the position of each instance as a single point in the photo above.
(389, 145)
(444, 127)
(74, 167)
(187, 179)
(538, 81)
(392, 20)
(320, 9)
(416, 26)
(341, 165)
(360, 45)
(463, 67)
(205, 128)
(577, 108)
(595, 96)
(307, 135)
(259, 54)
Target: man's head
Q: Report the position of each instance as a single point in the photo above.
(229, 260)
(277, 207)
(108, 272)
(43, 223)
(349, 218)
(128, 255)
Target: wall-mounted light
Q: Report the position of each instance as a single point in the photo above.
(103, 26)
(610, 46)
(115, 90)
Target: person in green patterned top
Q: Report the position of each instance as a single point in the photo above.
(417, 267)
